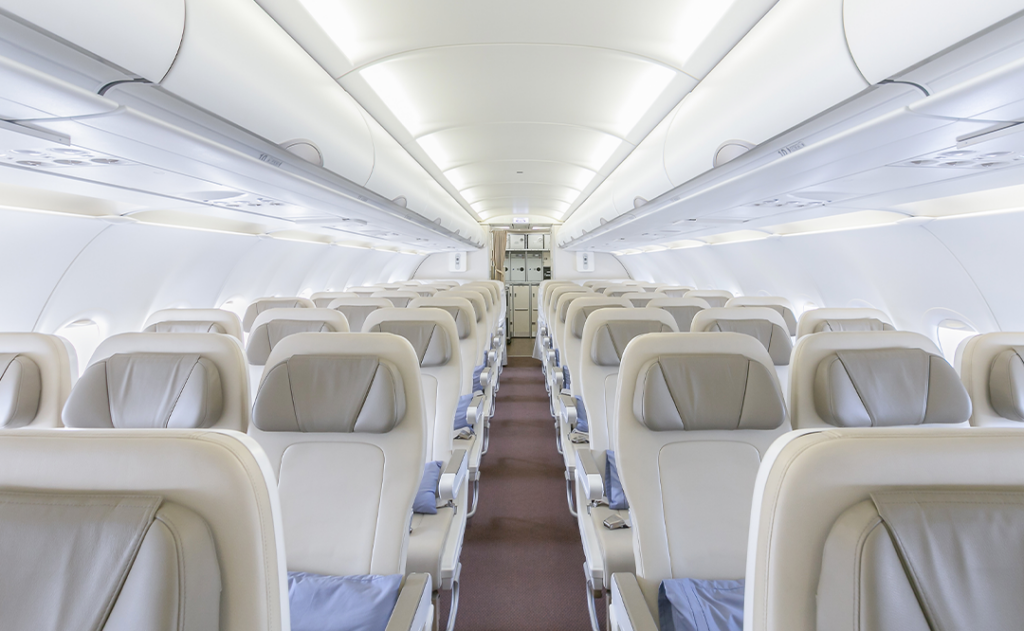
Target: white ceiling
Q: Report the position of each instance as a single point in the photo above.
(519, 108)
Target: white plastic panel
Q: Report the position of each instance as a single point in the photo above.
(236, 62)
(141, 37)
(888, 36)
(28, 94)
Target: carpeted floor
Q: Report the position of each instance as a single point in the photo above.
(522, 562)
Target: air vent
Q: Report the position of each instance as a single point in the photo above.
(59, 158)
(964, 159)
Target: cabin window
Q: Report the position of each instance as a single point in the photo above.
(84, 336)
(951, 334)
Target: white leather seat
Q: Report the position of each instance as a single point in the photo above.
(681, 309)
(674, 291)
(35, 380)
(162, 380)
(992, 371)
(363, 292)
(492, 302)
(714, 297)
(435, 541)
(642, 298)
(559, 312)
(763, 323)
(836, 320)
(555, 324)
(780, 304)
(545, 330)
(874, 379)
(166, 530)
(696, 415)
(461, 309)
(399, 299)
(341, 418)
(606, 335)
(356, 310)
(260, 305)
(273, 325)
(322, 299)
(617, 291)
(194, 321)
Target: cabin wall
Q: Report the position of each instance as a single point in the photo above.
(478, 266)
(58, 269)
(563, 264)
(962, 268)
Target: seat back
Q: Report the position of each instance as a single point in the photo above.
(763, 323)
(778, 303)
(162, 380)
(575, 319)
(544, 293)
(837, 320)
(714, 297)
(399, 299)
(363, 292)
(992, 372)
(273, 325)
(681, 309)
(552, 316)
(482, 324)
(554, 295)
(194, 321)
(356, 310)
(35, 380)
(674, 291)
(894, 528)
(340, 415)
(139, 529)
(606, 334)
(323, 299)
(435, 338)
(260, 305)
(491, 303)
(642, 298)
(618, 291)
(875, 379)
(560, 313)
(461, 310)
(695, 416)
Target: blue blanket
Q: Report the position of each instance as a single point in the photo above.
(581, 416)
(462, 412)
(612, 487)
(425, 501)
(341, 603)
(686, 604)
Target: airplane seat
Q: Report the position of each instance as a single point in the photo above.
(544, 332)
(836, 320)
(714, 297)
(991, 370)
(260, 305)
(674, 291)
(35, 380)
(323, 299)
(483, 359)
(194, 321)
(132, 529)
(363, 292)
(162, 380)
(341, 418)
(435, 541)
(874, 379)
(607, 333)
(553, 365)
(618, 291)
(696, 415)
(642, 298)
(681, 309)
(398, 298)
(423, 291)
(356, 310)
(559, 313)
(763, 323)
(273, 325)
(461, 309)
(778, 303)
(495, 318)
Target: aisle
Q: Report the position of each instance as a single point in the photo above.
(522, 562)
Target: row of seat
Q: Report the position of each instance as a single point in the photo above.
(351, 423)
(701, 412)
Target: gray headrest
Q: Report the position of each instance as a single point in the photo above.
(431, 343)
(565, 300)
(708, 391)
(356, 314)
(185, 326)
(775, 339)
(857, 324)
(21, 388)
(888, 387)
(260, 306)
(611, 339)
(330, 394)
(1006, 384)
(266, 336)
(683, 315)
(140, 390)
(584, 313)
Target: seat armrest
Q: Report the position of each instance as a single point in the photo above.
(567, 409)
(551, 357)
(589, 474)
(542, 331)
(413, 610)
(629, 608)
(475, 412)
(492, 357)
(487, 374)
(453, 475)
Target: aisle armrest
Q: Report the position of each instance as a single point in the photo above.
(589, 474)
(475, 412)
(413, 610)
(629, 608)
(567, 409)
(453, 475)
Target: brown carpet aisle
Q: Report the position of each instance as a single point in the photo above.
(522, 561)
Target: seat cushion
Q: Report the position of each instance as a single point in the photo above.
(425, 501)
(686, 604)
(342, 603)
(477, 387)
(462, 412)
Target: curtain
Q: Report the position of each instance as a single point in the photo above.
(499, 238)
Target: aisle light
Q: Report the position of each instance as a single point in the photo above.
(696, 22)
(649, 85)
(390, 90)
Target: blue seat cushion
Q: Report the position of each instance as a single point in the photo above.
(558, 361)
(686, 604)
(342, 603)
(477, 387)
(462, 412)
(565, 378)
(581, 416)
(426, 497)
(612, 487)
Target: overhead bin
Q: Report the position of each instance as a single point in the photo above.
(141, 37)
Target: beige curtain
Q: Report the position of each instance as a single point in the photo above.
(499, 238)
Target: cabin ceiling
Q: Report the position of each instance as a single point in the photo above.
(518, 108)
